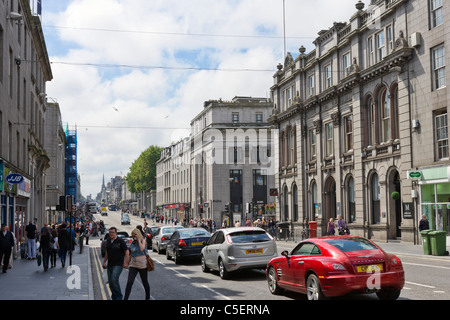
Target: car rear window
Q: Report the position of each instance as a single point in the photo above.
(351, 244)
(249, 236)
(168, 230)
(194, 233)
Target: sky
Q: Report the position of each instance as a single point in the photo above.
(128, 74)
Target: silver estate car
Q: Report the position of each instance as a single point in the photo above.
(234, 249)
(162, 237)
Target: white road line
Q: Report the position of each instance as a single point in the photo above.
(181, 274)
(420, 285)
(215, 292)
(425, 265)
(189, 278)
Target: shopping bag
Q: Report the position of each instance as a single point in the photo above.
(105, 276)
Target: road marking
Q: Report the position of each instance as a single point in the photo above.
(189, 278)
(215, 292)
(99, 270)
(425, 265)
(181, 274)
(420, 285)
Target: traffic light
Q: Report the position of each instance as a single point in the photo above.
(227, 207)
(62, 204)
(200, 208)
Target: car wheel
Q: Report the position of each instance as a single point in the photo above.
(168, 257)
(204, 266)
(176, 258)
(158, 249)
(313, 290)
(224, 274)
(388, 294)
(273, 282)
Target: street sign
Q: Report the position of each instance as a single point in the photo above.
(414, 175)
(273, 192)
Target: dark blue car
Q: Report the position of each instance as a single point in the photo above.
(187, 243)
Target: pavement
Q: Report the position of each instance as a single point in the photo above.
(27, 281)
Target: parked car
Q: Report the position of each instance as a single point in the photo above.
(187, 243)
(162, 236)
(149, 233)
(334, 266)
(125, 219)
(122, 234)
(234, 249)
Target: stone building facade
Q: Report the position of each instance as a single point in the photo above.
(226, 161)
(24, 72)
(362, 123)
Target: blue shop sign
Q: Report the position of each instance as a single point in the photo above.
(14, 178)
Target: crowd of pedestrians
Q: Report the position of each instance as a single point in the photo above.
(49, 244)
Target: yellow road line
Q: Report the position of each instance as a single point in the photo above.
(99, 269)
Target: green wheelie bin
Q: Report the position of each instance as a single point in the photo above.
(426, 242)
(438, 241)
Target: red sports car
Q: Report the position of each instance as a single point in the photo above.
(334, 266)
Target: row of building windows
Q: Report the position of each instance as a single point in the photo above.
(381, 125)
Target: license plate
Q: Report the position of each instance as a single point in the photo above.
(196, 243)
(252, 251)
(370, 268)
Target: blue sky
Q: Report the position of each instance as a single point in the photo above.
(170, 36)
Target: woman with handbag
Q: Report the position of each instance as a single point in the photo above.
(137, 264)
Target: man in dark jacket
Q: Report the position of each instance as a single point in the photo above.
(423, 224)
(6, 244)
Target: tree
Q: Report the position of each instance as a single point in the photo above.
(142, 175)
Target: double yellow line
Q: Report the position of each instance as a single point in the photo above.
(99, 270)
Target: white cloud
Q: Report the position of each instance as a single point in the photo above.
(109, 140)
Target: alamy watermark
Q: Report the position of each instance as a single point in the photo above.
(73, 282)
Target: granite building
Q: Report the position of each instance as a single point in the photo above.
(24, 72)
(363, 123)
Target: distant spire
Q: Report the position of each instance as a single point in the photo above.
(103, 183)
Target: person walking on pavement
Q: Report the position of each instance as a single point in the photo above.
(331, 227)
(54, 248)
(31, 232)
(341, 225)
(6, 244)
(424, 224)
(63, 243)
(137, 264)
(116, 255)
(45, 247)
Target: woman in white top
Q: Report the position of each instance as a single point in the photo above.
(54, 248)
(137, 264)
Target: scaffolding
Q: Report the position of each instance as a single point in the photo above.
(71, 163)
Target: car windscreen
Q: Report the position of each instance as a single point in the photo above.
(194, 233)
(351, 244)
(249, 236)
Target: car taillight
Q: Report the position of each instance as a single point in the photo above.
(336, 268)
(396, 262)
(181, 243)
(148, 235)
(164, 239)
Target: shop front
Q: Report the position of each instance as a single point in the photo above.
(435, 197)
(14, 201)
